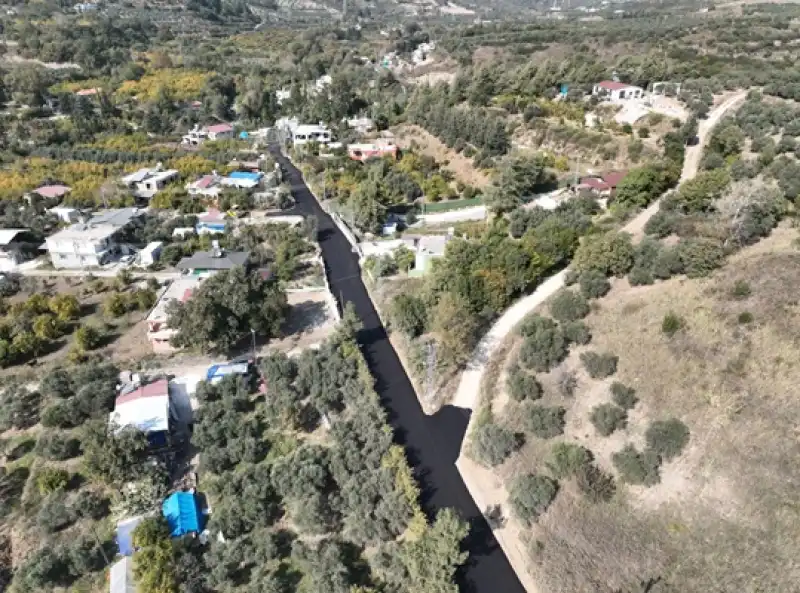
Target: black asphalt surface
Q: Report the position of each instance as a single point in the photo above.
(431, 442)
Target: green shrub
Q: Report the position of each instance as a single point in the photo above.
(662, 224)
(522, 385)
(623, 396)
(667, 264)
(607, 418)
(51, 479)
(594, 284)
(671, 324)
(577, 332)
(610, 254)
(543, 422)
(596, 485)
(700, 256)
(531, 495)
(567, 459)
(88, 337)
(57, 446)
(640, 276)
(741, 290)
(491, 444)
(568, 305)
(637, 468)
(599, 365)
(544, 346)
(667, 438)
(745, 317)
(54, 513)
(571, 277)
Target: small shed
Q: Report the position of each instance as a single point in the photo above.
(150, 253)
(182, 512)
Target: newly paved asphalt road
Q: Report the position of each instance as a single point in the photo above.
(432, 442)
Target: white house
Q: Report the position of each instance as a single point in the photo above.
(14, 248)
(82, 245)
(65, 214)
(158, 334)
(198, 135)
(305, 133)
(150, 253)
(617, 91)
(146, 183)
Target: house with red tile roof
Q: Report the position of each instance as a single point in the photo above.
(617, 91)
(605, 185)
(147, 408)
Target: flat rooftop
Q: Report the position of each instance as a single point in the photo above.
(178, 290)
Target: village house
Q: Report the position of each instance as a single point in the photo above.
(376, 149)
(158, 333)
(91, 243)
(198, 135)
(425, 248)
(617, 91)
(146, 183)
(603, 185)
(205, 263)
(305, 133)
(147, 408)
(16, 247)
(211, 186)
(212, 222)
(65, 214)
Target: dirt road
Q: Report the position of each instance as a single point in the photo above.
(468, 393)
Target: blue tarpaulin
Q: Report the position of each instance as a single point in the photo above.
(182, 514)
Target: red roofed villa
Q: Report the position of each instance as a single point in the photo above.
(617, 91)
(605, 185)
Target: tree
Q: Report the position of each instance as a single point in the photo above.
(667, 438)
(608, 418)
(154, 562)
(543, 422)
(491, 444)
(700, 256)
(409, 314)
(88, 337)
(431, 560)
(698, 194)
(518, 177)
(637, 468)
(594, 284)
(66, 307)
(567, 459)
(599, 365)
(611, 254)
(544, 345)
(531, 495)
(522, 385)
(623, 396)
(115, 305)
(639, 187)
(456, 329)
(115, 457)
(568, 305)
(226, 308)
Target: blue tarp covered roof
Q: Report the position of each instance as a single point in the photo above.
(182, 514)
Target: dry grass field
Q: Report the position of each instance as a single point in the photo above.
(725, 516)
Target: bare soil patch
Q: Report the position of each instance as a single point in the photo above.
(460, 166)
(724, 516)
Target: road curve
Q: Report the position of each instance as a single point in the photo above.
(468, 394)
(432, 443)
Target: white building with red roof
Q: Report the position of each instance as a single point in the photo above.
(146, 408)
(617, 91)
